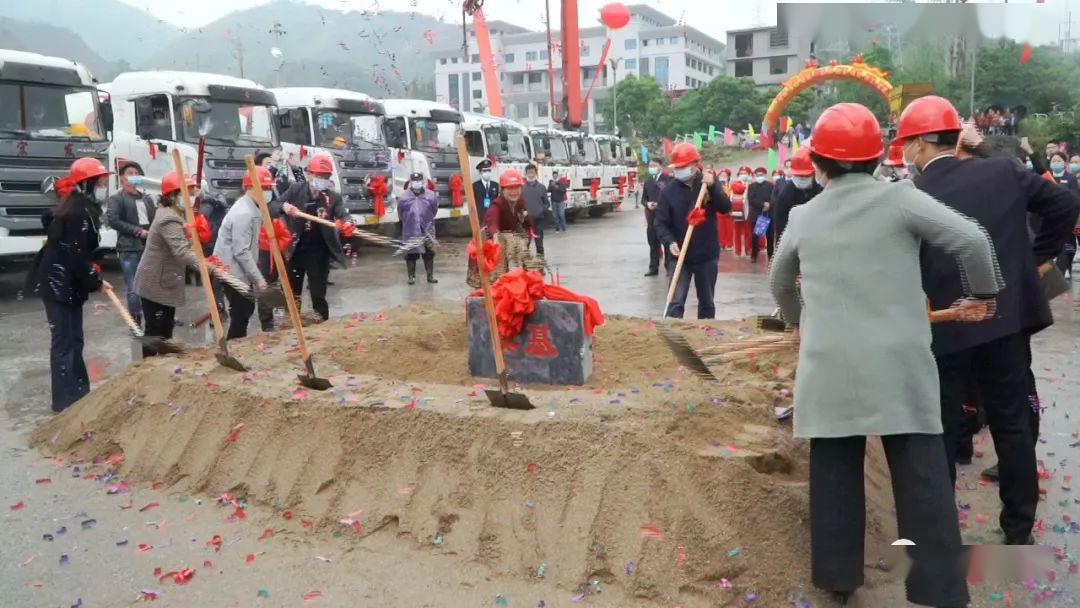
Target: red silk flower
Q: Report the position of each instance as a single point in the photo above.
(696, 217)
(492, 254)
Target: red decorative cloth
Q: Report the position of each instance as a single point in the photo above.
(515, 295)
(202, 228)
(696, 217)
(594, 187)
(456, 189)
(492, 253)
(347, 229)
(379, 189)
(281, 233)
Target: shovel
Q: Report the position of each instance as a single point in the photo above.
(308, 378)
(223, 356)
(682, 251)
(502, 397)
(155, 344)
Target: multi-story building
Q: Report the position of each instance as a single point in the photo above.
(768, 54)
(679, 57)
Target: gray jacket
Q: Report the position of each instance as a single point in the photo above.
(536, 200)
(865, 365)
(168, 253)
(122, 215)
(238, 240)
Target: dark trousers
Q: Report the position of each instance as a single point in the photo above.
(925, 513)
(538, 240)
(1065, 258)
(755, 240)
(240, 311)
(266, 313)
(160, 321)
(315, 264)
(70, 382)
(1001, 369)
(704, 276)
(129, 264)
(656, 249)
(429, 263)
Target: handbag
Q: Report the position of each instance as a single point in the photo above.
(761, 226)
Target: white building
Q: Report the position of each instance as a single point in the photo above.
(679, 57)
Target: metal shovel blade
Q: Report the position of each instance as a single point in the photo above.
(686, 354)
(159, 346)
(310, 380)
(514, 401)
(224, 358)
(271, 296)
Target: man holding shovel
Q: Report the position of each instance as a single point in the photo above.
(676, 213)
(316, 245)
(237, 249)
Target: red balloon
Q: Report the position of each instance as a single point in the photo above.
(615, 15)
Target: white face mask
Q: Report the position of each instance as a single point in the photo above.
(759, 179)
(100, 194)
(744, 177)
(133, 180)
(485, 175)
(802, 182)
(417, 185)
(654, 171)
(321, 183)
(684, 174)
(910, 165)
(532, 179)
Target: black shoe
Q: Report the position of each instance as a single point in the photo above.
(753, 259)
(652, 273)
(991, 473)
(431, 279)
(1030, 540)
(412, 280)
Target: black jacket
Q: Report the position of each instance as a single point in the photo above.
(556, 190)
(491, 193)
(123, 217)
(785, 198)
(63, 271)
(651, 193)
(756, 197)
(326, 204)
(676, 201)
(998, 193)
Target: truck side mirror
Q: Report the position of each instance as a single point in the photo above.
(144, 131)
(48, 187)
(284, 120)
(107, 116)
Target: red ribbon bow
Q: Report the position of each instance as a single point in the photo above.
(696, 217)
(347, 229)
(492, 254)
(594, 187)
(202, 228)
(456, 189)
(379, 188)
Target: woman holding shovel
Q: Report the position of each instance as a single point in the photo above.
(159, 281)
(865, 365)
(237, 249)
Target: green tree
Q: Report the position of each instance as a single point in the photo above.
(643, 105)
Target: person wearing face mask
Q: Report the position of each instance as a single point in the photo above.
(650, 197)
(892, 168)
(537, 204)
(1065, 259)
(507, 221)
(994, 354)
(794, 192)
(417, 208)
(129, 212)
(673, 217)
(238, 250)
(557, 194)
(758, 194)
(856, 247)
(725, 223)
(65, 273)
(1059, 169)
(485, 188)
(315, 246)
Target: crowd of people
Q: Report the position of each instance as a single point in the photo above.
(946, 220)
(997, 121)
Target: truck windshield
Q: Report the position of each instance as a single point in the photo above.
(226, 123)
(337, 129)
(582, 150)
(606, 154)
(429, 135)
(507, 144)
(591, 153)
(33, 111)
(554, 148)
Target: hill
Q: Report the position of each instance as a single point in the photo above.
(58, 42)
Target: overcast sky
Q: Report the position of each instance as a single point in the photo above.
(713, 18)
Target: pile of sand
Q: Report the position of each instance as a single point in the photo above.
(648, 478)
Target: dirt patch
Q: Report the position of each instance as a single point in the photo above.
(648, 479)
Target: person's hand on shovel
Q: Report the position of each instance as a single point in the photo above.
(674, 249)
(974, 310)
(289, 209)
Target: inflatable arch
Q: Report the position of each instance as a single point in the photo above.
(859, 71)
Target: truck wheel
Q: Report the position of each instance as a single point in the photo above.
(572, 215)
(597, 211)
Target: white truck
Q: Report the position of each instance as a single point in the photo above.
(615, 183)
(503, 141)
(586, 175)
(421, 136)
(157, 112)
(50, 114)
(549, 150)
(347, 126)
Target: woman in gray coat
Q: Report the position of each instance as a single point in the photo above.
(159, 280)
(865, 365)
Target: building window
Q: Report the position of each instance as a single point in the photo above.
(475, 58)
(453, 60)
(543, 54)
(674, 40)
(477, 94)
(644, 67)
(530, 56)
(476, 76)
(661, 73)
(508, 58)
(744, 68)
(587, 73)
(584, 50)
(744, 45)
(645, 42)
(542, 109)
(687, 81)
(455, 90)
(518, 78)
(630, 44)
(660, 41)
(687, 61)
(631, 64)
(521, 110)
(777, 65)
(535, 77)
(443, 61)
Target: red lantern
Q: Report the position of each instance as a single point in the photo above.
(615, 15)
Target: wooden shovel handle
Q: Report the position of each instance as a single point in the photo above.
(196, 244)
(316, 219)
(120, 308)
(283, 270)
(682, 249)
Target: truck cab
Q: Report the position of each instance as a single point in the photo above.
(550, 154)
(613, 183)
(347, 126)
(503, 141)
(585, 168)
(421, 137)
(157, 112)
(50, 114)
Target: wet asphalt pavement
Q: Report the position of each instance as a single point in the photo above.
(604, 258)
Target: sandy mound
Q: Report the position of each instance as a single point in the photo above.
(648, 479)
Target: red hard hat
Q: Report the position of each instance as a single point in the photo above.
(265, 179)
(726, 171)
(847, 132)
(321, 163)
(800, 163)
(511, 178)
(761, 170)
(738, 188)
(684, 154)
(930, 114)
(171, 183)
(896, 153)
(745, 169)
(86, 168)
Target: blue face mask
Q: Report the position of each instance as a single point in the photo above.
(1057, 168)
(654, 171)
(134, 180)
(1074, 167)
(1028, 165)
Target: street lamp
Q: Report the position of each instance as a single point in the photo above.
(615, 94)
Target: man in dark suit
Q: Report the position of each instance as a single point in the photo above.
(486, 189)
(798, 189)
(758, 194)
(651, 199)
(999, 194)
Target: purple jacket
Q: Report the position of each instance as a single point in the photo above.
(417, 213)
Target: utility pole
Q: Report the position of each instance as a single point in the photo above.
(238, 53)
(615, 94)
(974, 63)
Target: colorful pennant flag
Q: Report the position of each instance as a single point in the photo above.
(668, 145)
(729, 137)
(1025, 54)
(697, 140)
(783, 153)
(712, 132)
(645, 154)
(750, 128)
(772, 159)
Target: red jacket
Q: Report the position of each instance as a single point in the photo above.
(501, 218)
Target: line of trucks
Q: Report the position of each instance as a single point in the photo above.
(53, 111)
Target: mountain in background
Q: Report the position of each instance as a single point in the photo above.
(384, 55)
(58, 42)
(113, 30)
